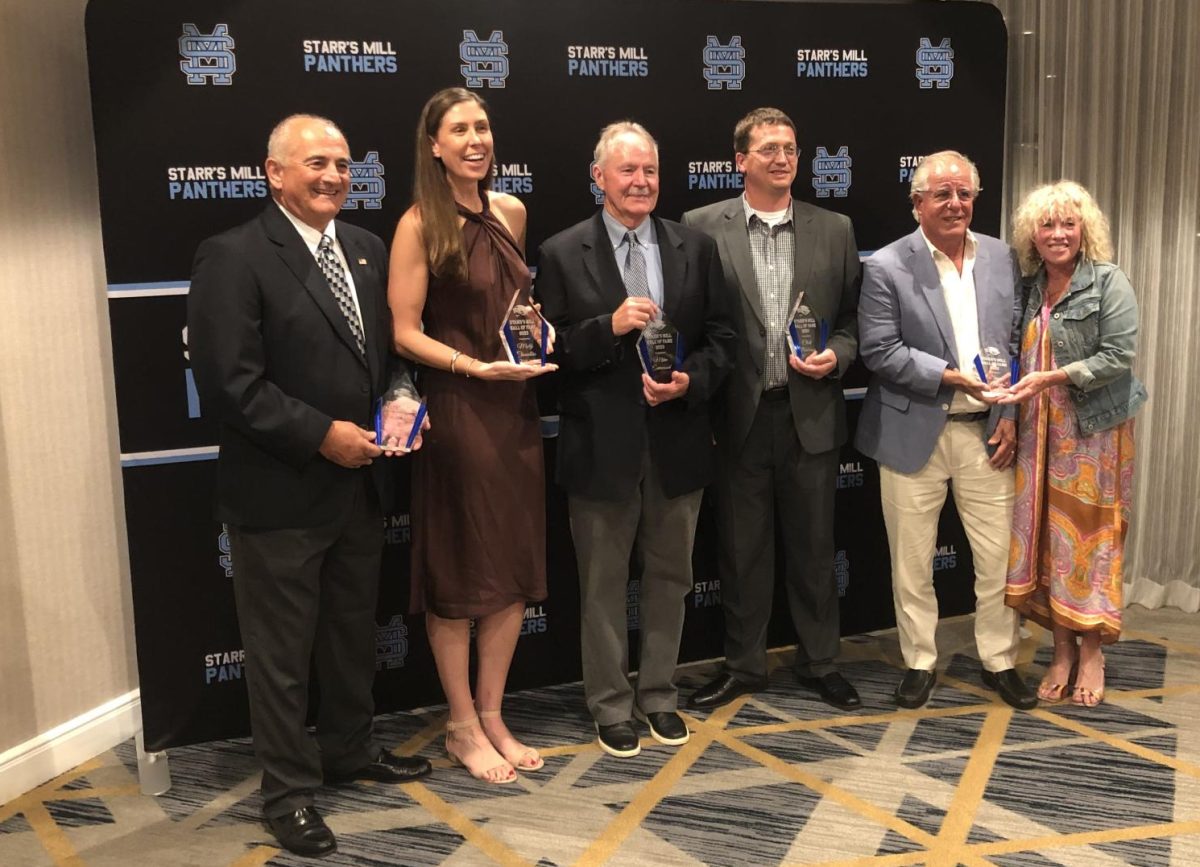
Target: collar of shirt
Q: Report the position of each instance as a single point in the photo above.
(310, 236)
(312, 239)
(762, 215)
(941, 260)
(616, 231)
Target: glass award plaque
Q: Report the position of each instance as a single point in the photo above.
(996, 369)
(805, 332)
(399, 415)
(660, 349)
(525, 335)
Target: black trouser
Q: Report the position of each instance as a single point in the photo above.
(303, 595)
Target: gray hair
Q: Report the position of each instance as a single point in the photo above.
(611, 132)
(279, 135)
(921, 176)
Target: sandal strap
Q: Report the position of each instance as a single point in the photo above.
(489, 714)
(452, 726)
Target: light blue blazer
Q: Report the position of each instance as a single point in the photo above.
(906, 340)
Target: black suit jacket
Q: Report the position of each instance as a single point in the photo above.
(827, 270)
(604, 419)
(275, 363)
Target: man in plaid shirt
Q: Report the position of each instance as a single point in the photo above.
(783, 418)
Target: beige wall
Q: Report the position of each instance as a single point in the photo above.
(66, 622)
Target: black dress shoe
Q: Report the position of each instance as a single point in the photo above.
(833, 689)
(914, 690)
(619, 739)
(1011, 687)
(666, 727)
(722, 690)
(386, 769)
(303, 832)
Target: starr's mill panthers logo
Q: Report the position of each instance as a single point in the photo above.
(597, 193)
(724, 65)
(935, 64)
(483, 61)
(391, 644)
(831, 172)
(207, 57)
(366, 184)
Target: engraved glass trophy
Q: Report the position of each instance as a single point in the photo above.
(996, 369)
(660, 349)
(526, 336)
(399, 415)
(805, 332)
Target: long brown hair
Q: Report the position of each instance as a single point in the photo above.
(431, 191)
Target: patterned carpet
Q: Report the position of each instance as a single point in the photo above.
(773, 779)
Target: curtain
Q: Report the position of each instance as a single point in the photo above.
(1107, 93)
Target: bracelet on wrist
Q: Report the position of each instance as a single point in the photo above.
(469, 366)
(454, 360)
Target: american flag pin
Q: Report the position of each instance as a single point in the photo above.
(362, 261)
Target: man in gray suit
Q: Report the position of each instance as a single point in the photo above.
(782, 418)
(932, 302)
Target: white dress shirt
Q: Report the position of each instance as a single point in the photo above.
(959, 292)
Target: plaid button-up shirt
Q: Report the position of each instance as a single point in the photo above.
(773, 253)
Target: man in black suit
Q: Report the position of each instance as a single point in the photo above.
(783, 418)
(633, 454)
(289, 335)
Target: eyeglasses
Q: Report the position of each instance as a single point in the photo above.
(770, 151)
(942, 196)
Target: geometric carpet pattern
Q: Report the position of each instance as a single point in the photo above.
(777, 778)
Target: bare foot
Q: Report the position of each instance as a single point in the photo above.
(467, 745)
(521, 757)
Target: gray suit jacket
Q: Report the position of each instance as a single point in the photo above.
(907, 341)
(827, 269)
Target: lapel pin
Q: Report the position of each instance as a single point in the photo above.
(362, 261)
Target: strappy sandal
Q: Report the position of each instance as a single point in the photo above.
(525, 759)
(1050, 692)
(476, 772)
(1087, 697)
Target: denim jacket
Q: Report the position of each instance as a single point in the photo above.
(1093, 332)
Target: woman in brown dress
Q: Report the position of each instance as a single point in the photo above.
(478, 503)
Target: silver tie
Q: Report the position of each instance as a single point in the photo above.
(336, 277)
(636, 284)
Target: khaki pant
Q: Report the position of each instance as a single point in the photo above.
(912, 503)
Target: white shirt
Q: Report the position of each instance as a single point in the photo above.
(312, 239)
(959, 292)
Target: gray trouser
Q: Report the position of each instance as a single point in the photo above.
(604, 533)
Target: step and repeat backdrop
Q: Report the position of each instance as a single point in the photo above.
(185, 92)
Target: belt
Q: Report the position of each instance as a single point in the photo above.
(778, 393)
(968, 416)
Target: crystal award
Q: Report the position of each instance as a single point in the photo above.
(525, 335)
(660, 349)
(805, 332)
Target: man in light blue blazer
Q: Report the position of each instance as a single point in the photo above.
(931, 303)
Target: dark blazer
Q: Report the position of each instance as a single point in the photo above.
(275, 364)
(827, 270)
(908, 342)
(604, 419)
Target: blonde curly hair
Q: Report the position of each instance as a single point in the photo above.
(1060, 199)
